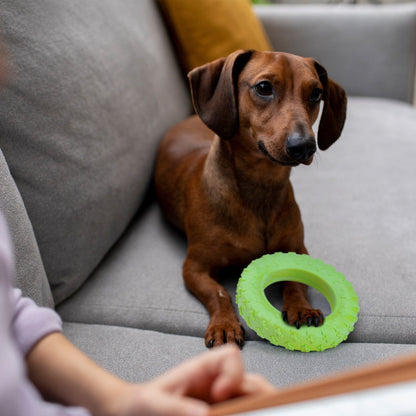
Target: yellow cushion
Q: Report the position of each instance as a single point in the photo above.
(204, 30)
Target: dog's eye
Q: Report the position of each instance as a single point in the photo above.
(316, 95)
(264, 89)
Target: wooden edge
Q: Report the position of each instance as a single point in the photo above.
(374, 375)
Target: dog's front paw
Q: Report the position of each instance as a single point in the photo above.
(298, 316)
(222, 331)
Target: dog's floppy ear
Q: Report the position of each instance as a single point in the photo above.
(334, 111)
(214, 92)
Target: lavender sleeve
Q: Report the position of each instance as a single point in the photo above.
(22, 325)
(30, 322)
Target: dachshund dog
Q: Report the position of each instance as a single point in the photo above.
(223, 176)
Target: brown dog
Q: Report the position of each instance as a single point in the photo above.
(230, 191)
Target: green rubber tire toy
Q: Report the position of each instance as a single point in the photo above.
(267, 321)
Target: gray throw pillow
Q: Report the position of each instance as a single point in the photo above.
(92, 87)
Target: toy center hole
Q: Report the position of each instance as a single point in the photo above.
(274, 294)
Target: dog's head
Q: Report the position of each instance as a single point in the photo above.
(270, 100)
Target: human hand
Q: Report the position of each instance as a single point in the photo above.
(189, 388)
(186, 390)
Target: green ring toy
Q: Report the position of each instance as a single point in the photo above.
(267, 321)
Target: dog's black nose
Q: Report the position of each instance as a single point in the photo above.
(300, 148)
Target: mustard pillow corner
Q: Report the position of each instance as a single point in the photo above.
(205, 30)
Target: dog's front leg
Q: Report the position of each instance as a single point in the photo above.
(224, 326)
(296, 307)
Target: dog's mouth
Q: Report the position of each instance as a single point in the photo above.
(263, 149)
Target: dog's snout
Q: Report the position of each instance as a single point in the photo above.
(300, 148)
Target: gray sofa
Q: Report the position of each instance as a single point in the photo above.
(91, 89)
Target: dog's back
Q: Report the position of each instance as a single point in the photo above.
(181, 155)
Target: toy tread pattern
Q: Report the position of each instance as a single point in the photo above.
(267, 321)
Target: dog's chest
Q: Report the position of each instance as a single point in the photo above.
(246, 236)
(245, 219)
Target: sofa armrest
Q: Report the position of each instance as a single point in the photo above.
(30, 274)
(370, 50)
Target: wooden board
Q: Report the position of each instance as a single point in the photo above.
(375, 375)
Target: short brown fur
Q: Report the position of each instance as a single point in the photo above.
(226, 183)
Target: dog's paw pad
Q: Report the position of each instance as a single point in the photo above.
(224, 333)
(303, 316)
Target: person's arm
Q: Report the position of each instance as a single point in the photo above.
(62, 372)
(22, 325)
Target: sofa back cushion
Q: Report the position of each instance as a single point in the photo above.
(368, 49)
(92, 87)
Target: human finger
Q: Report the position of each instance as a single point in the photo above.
(256, 384)
(212, 376)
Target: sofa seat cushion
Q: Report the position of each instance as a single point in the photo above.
(357, 202)
(139, 355)
(82, 110)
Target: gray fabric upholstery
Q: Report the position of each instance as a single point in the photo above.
(30, 274)
(368, 49)
(93, 86)
(80, 119)
(358, 209)
(139, 356)
(358, 206)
